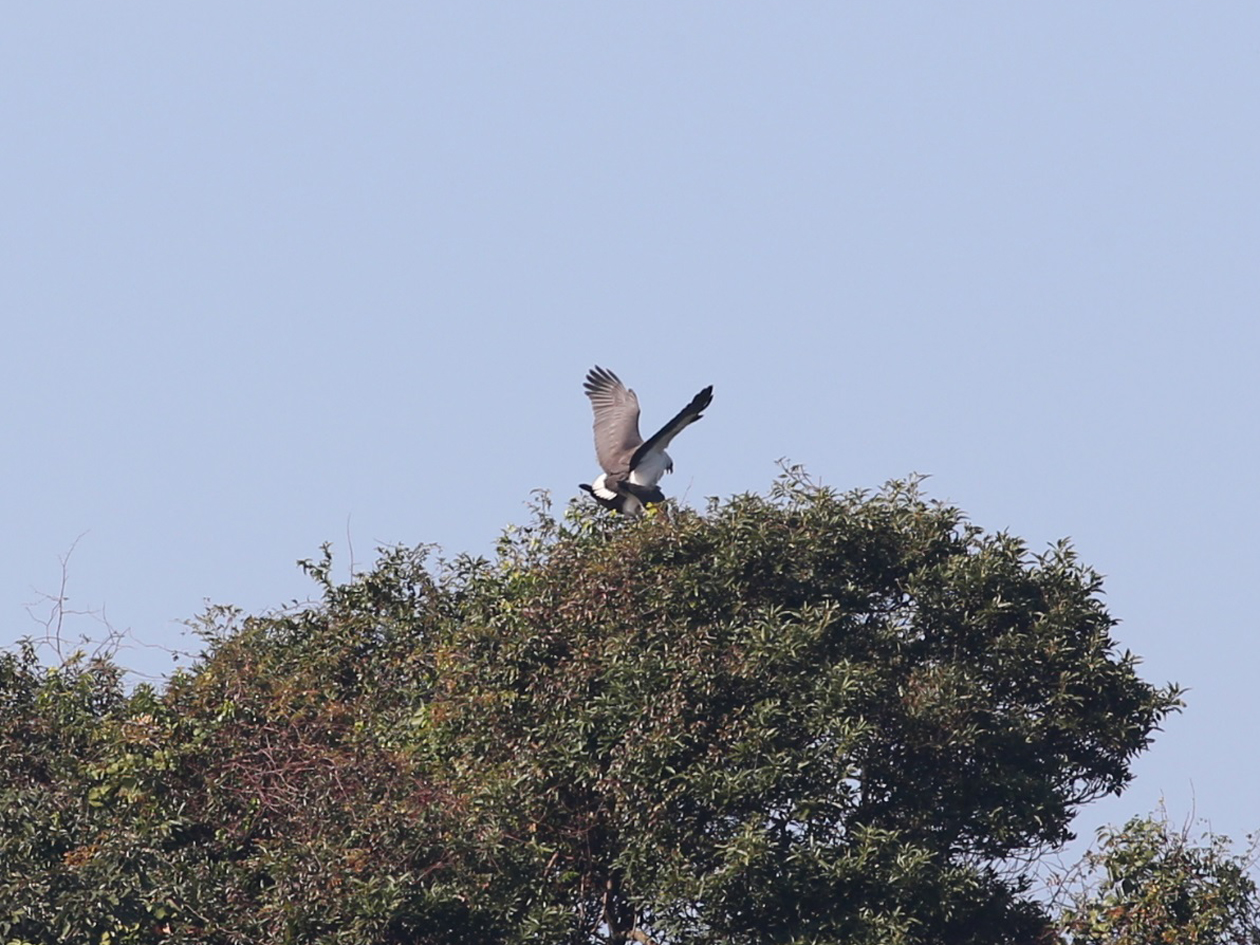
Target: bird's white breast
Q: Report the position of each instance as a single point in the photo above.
(650, 469)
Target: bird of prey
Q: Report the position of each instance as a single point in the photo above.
(632, 466)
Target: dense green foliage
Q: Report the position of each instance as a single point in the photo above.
(807, 717)
(1149, 883)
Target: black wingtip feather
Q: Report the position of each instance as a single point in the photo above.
(598, 378)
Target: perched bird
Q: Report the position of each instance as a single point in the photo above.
(632, 466)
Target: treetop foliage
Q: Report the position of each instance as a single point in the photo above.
(1148, 882)
(801, 717)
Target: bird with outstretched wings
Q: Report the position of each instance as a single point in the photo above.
(632, 466)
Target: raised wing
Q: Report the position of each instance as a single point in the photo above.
(616, 419)
(662, 437)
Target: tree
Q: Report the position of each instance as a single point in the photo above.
(1148, 883)
(809, 718)
(806, 717)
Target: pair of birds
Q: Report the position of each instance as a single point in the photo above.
(632, 466)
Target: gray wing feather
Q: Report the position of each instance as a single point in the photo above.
(616, 419)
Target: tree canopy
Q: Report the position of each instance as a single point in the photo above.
(1147, 882)
(806, 717)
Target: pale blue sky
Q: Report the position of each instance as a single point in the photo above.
(266, 268)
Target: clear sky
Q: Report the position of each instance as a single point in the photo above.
(279, 274)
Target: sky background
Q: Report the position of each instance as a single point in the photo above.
(279, 274)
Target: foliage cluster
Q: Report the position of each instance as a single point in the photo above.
(1150, 884)
(805, 717)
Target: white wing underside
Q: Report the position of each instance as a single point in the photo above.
(600, 487)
